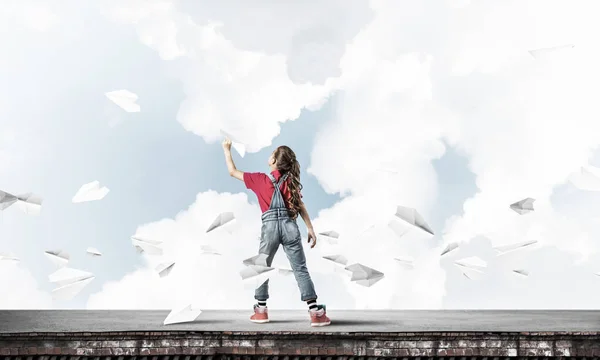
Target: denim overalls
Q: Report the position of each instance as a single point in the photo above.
(279, 228)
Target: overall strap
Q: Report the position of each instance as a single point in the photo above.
(277, 201)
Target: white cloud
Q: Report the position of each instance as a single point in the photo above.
(242, 89)
(21, 289)
(312, 41)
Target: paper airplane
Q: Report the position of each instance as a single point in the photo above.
(6, 200)
(587, 178)
(28, 203)
(524, 206)
(90, 192)
(330, 236)
(471, 267)
(284, 271)
(412, 217)
(69, 282)
(398, 228)
(221, 220)
(451, 247)
(364, 275)
(545, 52)
(338, 259)
(256, 274)
(8, 257)
(256, 271)
(152, 247)
(93, 251)
(187, 314)
(342, 270)
(501, 250)
(125, 99)
(260, 259)
(235, 143)
(205, 249)
(165, 268)
(406, 262)
(521, 272)
(58, 257)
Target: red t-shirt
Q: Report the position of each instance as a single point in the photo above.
(261, 185)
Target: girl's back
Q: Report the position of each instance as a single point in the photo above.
(262, 186)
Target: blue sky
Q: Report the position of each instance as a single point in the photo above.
(453, 121)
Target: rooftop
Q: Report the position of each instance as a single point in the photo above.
(343, 321)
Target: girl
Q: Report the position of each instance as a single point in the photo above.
(280, 200)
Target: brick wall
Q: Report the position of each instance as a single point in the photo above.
(296, 346)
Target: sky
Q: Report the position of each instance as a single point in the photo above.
(443, 93)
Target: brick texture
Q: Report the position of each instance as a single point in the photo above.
(296, 346)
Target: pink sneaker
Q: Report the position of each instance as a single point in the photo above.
(319, 317)
(261, 315)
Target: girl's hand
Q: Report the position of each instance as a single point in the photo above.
(311, 235)
(226, 144)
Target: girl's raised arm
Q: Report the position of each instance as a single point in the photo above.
(229, 160)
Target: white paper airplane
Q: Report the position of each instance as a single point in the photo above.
(256, 271)
(125, 99)
(93, 251)
(406, 262)
(164, 269)
(260, 260)
(284, 271)
(186, 314)
(58, 257)
(221, 220)
(90, 192)
(451, 247)
(28, 203)
(8, 257)
(208, 250)
(412, 217)
(66, 275)
(330, 236)
(69, 282)
(152, 247)
(501, 250)
(471, 267)
(523, 206)
(338, 259)
(521, 272)
(364, 275)
(587, 178)
(545, 52)
(6, 200)
(340, 269)
(69, 291)
(399, 228)
(256, 275)
(235, 143)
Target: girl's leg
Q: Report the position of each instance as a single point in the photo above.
(269, 244)
(292, 245)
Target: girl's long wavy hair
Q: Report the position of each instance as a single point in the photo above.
(285, 160)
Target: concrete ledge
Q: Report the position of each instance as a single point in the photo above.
(301, 345)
